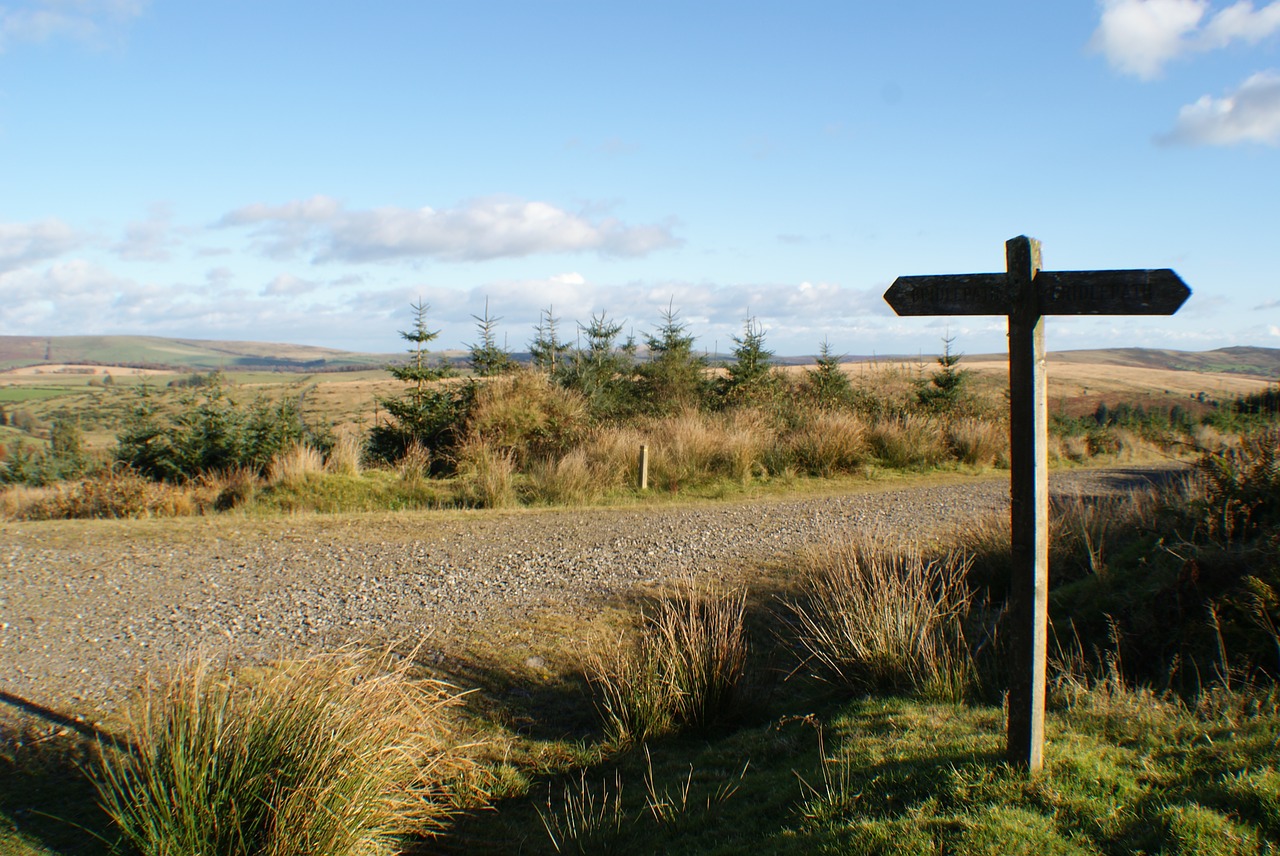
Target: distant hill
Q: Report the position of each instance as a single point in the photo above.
(210, 354)
(179, 354)
(1261, 362)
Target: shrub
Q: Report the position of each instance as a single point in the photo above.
(526, 416)
(345, 456)
(119, 494)
(827, 443)
(485, 476)
(295, 465)
(978, 441)
(880, 619)
(907, 441)
(335, 755)
(209, 433)
(684, 669)
(1240, 488)
(567, 480)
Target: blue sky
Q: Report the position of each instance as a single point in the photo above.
(302, 172)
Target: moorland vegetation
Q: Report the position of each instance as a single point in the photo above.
(565, 428)
(846, 701)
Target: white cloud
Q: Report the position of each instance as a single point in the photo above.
(481, 229)
(1251, 114)
(88, 21)
(287, 285)
(1270, 304)
(24, 243)
(66, 296)
(150, 239)
(1140, 37)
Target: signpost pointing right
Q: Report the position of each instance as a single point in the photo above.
(1026, 294)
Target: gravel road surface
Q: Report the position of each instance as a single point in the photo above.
(86, 607)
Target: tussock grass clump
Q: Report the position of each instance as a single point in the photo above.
(231, 488)
(685, 667)
(889, 620)
(295, 466)
(486, 476)
(337, 754)
(346, 456)
(568, 480)
(694, 447)
(978, 441)
(908, 441)
(828, 443)
(415, 464)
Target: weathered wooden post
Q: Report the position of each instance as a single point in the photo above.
(1025, 294)
(643, 477)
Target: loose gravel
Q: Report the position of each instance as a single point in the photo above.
(87, 608)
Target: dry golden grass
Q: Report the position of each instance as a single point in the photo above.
(108, 495)
(1091, 383)
(486, 475)
(345, 456)
(829, 443)
(295, 466)
(336, 754)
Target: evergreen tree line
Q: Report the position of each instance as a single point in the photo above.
(616, 380)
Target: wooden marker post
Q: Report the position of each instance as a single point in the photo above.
(1025, 294)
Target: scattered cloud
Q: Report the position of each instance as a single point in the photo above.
(287, 285)
(1140, 37)
(1250, 114)
(478, 230)
(1270, 304)
(86, 21)
(26, 243)
(149, 240)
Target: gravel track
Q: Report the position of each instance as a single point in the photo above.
(86, 608)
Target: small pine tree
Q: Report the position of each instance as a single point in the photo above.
(430, 416)
(487, 358)
(417, 371)
(826, 382)
(546, 350)
(750, 377)
(602, 371)
(674, 376)
(946, 388)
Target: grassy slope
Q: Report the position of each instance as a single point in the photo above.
(190, 354)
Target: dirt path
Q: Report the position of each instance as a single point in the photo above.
(86, 608)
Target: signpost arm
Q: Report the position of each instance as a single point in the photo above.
(1029, 516)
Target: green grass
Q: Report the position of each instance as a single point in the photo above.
(37, 393)
(897, 775)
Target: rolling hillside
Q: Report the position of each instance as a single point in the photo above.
(178, 354)
(207, 354)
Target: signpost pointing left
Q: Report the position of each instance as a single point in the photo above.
(1026, 294)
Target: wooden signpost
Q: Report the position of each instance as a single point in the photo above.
(1026, 294)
